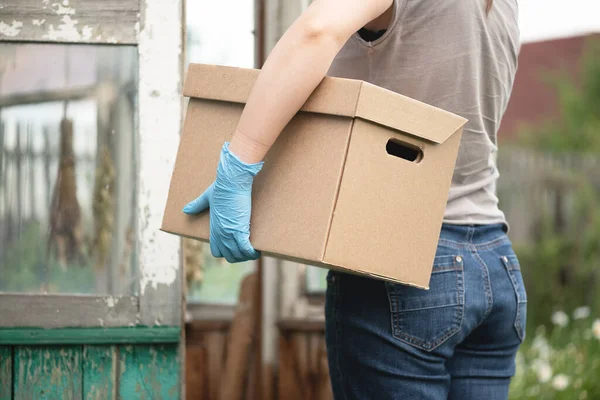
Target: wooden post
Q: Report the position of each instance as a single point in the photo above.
(31, 160)
(215, 344)
(19, 188)
(2, 177)
(47, 153)
(3, 206)
(240, 341)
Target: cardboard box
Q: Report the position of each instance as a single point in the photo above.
(334, 190)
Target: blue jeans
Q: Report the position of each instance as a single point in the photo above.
(457, 341)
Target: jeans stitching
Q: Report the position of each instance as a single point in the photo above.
(486, 283)
(517, 324)
(503, 240)
(422, 344)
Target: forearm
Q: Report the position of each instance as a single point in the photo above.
(295, 67)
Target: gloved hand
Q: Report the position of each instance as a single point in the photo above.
(229, 199)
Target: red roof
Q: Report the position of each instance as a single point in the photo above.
(533, 101)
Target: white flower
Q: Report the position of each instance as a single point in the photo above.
(578, 383)
(560, 318)
(583, 395)
(596, 329)
(544, 371)
(582, 312)
(560, 382)
(541, 347)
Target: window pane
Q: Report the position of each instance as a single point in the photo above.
(67, 172)
(315, 280)
(211, 280)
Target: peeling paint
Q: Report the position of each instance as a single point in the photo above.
(60, 9)
(111, 301)
(160, 46)
(11, 30)
(38, 22)
(67, 30)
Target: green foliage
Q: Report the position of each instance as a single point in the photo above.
(563, 365)
(561, 360)
(578, 129)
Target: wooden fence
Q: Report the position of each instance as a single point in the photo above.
(535, 183)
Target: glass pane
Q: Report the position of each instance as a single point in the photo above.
(67, 123)
(315, 280)
(211, 280)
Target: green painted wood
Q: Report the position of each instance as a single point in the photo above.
(99, 372)
(47, 373)
(149, 372)
(5, 372)
(125, 335)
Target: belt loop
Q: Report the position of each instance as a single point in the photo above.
(470, 233)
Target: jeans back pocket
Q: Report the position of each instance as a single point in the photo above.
(513, 268)
(427, 318)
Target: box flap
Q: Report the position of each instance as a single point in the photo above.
(405, 114)
(334, 96)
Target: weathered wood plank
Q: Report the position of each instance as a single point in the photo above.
(76, 21)
(195, 373)
(64, 94)
(160, 82)
(215, 348)
(58, 311)
(289, 386)
(99, 372)
(149, 372)
(124, 335)
(5, 372)
(241, 338)
(47, 373)
(301, 325)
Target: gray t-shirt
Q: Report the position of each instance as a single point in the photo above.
(449, 54)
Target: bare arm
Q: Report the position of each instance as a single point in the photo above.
(295, 67)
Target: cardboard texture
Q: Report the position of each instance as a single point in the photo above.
(357, 181)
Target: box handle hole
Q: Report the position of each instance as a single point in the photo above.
(403, 150)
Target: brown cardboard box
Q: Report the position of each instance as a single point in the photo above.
(330, 192)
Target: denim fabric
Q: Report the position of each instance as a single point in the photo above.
(457, 340)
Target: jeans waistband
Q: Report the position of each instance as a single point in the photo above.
(464, 236)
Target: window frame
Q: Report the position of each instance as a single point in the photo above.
(159, 110)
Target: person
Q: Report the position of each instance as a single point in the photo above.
(459, 339)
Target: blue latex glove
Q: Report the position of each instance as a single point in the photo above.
(230, 201)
